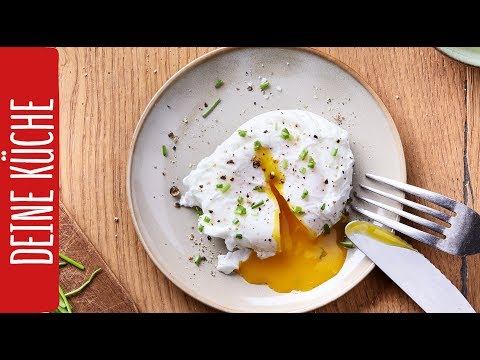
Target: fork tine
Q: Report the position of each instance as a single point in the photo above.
(417, 219)
(422, 193)
(436, 213)
(404, 229)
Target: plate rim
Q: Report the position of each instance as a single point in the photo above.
(454, 54)
(201, 59)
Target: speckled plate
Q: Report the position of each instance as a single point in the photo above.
(309, 80)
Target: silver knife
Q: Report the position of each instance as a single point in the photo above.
(408, 268)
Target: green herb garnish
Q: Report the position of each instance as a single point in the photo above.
(219, 84)
(211, 108)
(206, 219)
(240, 210)
(304, 194)
(326, 229)
(239, 236)
(242, 133)
(84, 285)
(284, 164)
(226, 187)
(258, 188)
(164, 150)
(311, 163)
(197, 260)
(64, 302)
(297, 210)
(235, 221)
(219, 186)
(257, 145)
(200, 228)
(71, 261)
(303, 154)
(198, 210)
(334, 152)
(303, 170)
(240, 200)
(265, 85)
(323, 207)
(260, 203)
(285, 134)
(347, 243)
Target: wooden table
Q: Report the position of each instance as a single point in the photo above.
(434, 101)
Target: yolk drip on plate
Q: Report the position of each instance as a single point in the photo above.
(304, 260)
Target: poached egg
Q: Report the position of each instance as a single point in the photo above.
(275, 190)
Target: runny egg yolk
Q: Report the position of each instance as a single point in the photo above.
(304, 260)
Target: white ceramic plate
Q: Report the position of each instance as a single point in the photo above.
(309, 81)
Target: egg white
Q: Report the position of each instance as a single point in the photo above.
(329, 182)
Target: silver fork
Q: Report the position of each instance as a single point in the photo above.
(462, 237)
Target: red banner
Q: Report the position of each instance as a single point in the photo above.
(29, 179)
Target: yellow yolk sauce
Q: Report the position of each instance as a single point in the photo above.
(273, 175)
(377, 233)
(304, 260)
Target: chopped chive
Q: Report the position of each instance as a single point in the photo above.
(285, 134)
(311, 163)
(240, 210)
(210, 109)
(198, 210)
(62, 263)
(197, 260)
(226, 187)
(219, 84)
(65, 301)
(284, 163)
(297, 210)
(84, 285)
(235, 221)
(164, 150)
(258, 188)
(303, 170)
(260, 203)
(206, 219)
(326, 229)
(239, 236)
(61, 303)
(71, 261)
(265, 85)
(60, 308)
(323, 207)
(240, 200)
(334, 152)
(303, 154)
(219, 186)
(200, 228)
(257, 145)
(347, 243)
(304, 194)
(242, 133)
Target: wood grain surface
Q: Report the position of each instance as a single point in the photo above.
(434, 101)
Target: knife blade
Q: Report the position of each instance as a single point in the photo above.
(408, 268)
